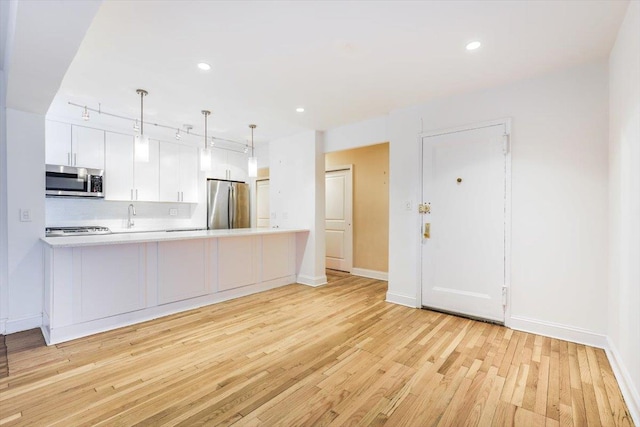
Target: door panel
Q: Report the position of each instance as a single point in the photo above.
(338, 216)
(463, 259)
(262, 203)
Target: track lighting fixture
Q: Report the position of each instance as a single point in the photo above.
(85, 114)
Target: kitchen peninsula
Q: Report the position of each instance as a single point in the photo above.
(102, 282)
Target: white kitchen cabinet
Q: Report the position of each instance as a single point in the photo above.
(70, 145)
(57, 143)
(126, 179)
(88, 147)
(228, 165)
(183, 270)
(178, 173)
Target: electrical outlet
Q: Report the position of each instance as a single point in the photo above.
(25, 215)
(173, 212)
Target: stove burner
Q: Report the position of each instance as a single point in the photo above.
(76, 231)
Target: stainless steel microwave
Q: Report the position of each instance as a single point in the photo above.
(69, 181)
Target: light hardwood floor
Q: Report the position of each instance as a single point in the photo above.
(333, 355)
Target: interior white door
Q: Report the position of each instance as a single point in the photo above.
(262, 203)
(463, 253)
(338, 228)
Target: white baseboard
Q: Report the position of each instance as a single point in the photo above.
(371, 274)
(22, 324)
(3, 326)
(402, 300)
(311, 280)
(628, 389)
(555, 330)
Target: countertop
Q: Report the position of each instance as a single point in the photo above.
(159, 236)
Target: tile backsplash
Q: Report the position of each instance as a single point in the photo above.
(64, 212)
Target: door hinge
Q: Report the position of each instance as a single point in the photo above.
(505, 143)
(504, 296)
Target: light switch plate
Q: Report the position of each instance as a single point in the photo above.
(25, 215)
(173, 211)
(407, 205)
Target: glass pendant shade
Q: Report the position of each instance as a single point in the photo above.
(253, 167)
(205, 159)
(141, 148)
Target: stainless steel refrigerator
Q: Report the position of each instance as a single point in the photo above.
(227, 204)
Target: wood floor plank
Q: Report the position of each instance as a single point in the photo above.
(295, 355)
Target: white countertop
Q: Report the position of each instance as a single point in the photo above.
(159, 236)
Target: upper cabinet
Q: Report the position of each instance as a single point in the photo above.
(178, 173)
(70, 145)
(229, 165)
(125, 178)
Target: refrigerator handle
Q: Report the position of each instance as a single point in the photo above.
(229, 207)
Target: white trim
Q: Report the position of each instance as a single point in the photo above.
(402, 300)
(506, 122)
(556, 330)
(371, 274)
(23, 324)
(311, 281)
(471, 126)
(628, 389)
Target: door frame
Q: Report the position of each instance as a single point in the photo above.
(506, 122)
(349, 248)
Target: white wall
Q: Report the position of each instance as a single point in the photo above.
(25, 190)
(296, 197)
(624, 208)
(559, 196)
(51, 32)
(366, 132)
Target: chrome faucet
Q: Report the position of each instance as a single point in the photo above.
(131, 210)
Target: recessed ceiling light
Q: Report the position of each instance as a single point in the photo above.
(204, 66)
(300, 109)
(473, 45)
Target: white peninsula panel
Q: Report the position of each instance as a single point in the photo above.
(104, 290)
(183, 269)
(99, 283)
(278, 256)
(238, 262)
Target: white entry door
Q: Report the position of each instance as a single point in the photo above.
(463, 245)
(338, 228)
(262, 203)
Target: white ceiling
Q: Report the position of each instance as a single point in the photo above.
(344, 61)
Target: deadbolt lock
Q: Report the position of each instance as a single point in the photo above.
(427, 230)
(424, 208)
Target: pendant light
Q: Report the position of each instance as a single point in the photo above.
(141, 143)
(253, 160)
(205, 152)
